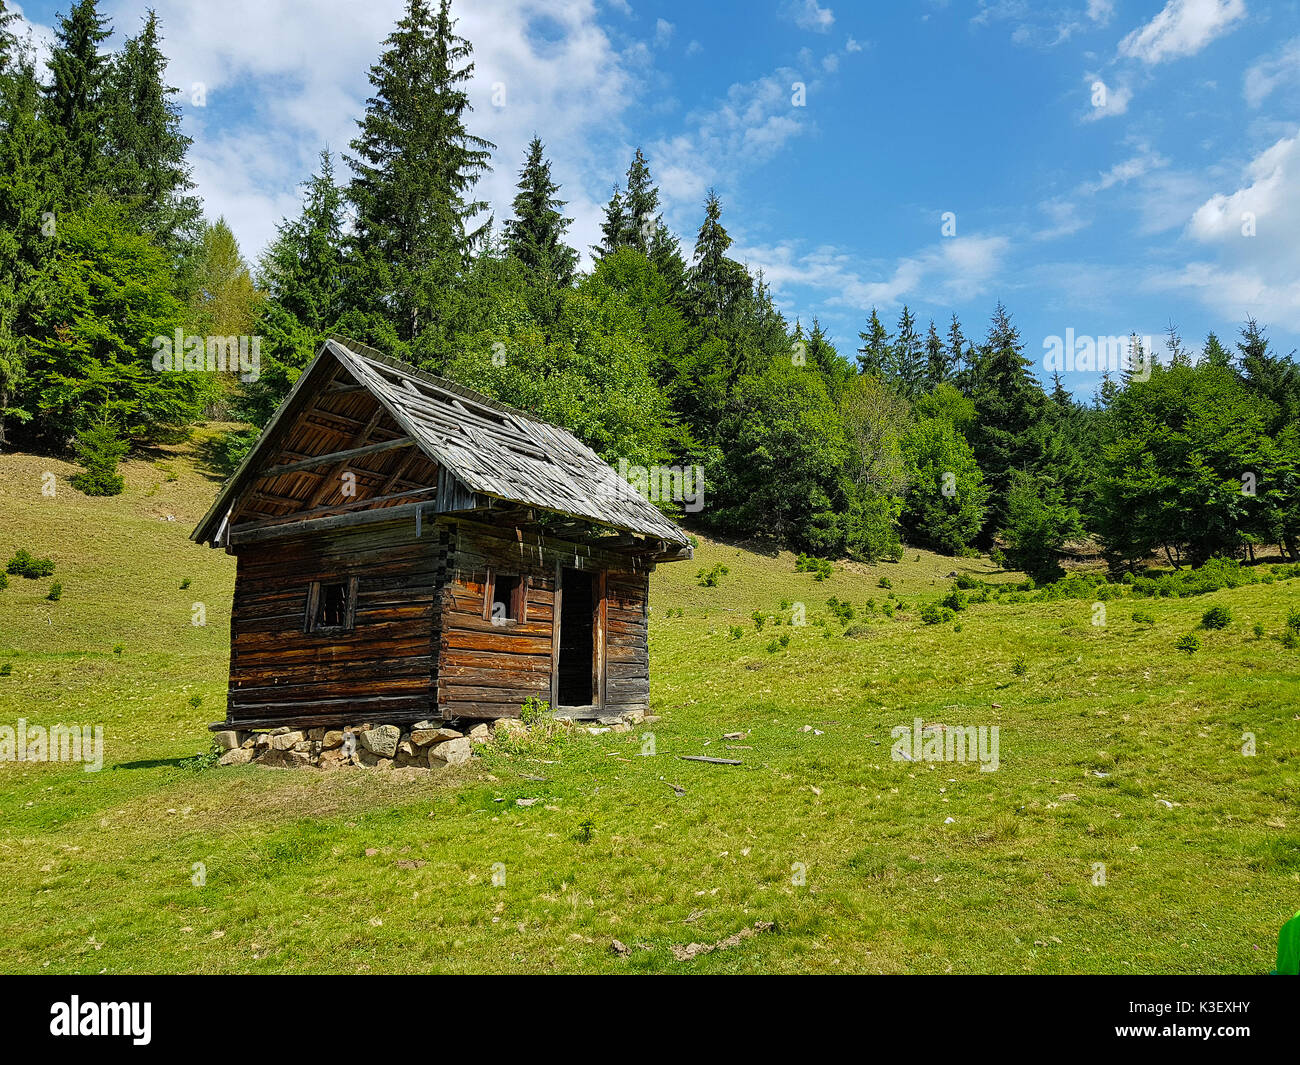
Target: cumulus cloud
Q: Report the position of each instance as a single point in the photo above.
(809, 15)
(1266, 75)
(1182, 28)
(1249, 234)
(1100, 11)
(956, 268)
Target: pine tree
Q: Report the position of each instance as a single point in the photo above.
(1010, 407)
(718, 284)
(28, 198)
(415, 165)
(1178, 354)
(146, 167)
(959, 356)
(612, 226)
(1215, 353)
(535, 236)
(874, 355)
(938, 367)
(301, 273)
(641, 206)
(907, 361)
(75, 99)
(1060, 394)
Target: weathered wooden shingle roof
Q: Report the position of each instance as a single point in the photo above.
(491, 448)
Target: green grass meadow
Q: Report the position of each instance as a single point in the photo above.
(1118, 753)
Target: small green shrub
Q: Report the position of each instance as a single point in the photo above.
(203, 760)
(954, 600)
(735, 632)
(100, 449)
(1144, 617)
(1217, 617)
(1191, 643)
(842, 609)
(820, 568)
(936, 614)
(56, 592)
(885, 582)
(1258, 630)
(24, 565)
(118, 648)
(6, 668)
(534, 711)
(1020, 666)
(185, 583)
(709, 578)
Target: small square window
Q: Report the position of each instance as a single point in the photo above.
(505, 600)
(331, 606)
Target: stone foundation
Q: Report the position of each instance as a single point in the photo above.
(425, 745)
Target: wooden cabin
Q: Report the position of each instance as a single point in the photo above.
(409, 549)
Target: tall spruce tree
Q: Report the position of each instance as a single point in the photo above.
(146, 165)
(718, 284)
(28, 199)
(1010, 406)
(874, 355)
(612, 226)
(641, 206)
(75, 100)
(535, 235)
(415, 166)
(907, 357)
(301, 274)
(938, 367)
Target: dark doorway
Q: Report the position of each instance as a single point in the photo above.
(577, 648)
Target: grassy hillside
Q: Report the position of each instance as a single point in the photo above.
(1116, 748)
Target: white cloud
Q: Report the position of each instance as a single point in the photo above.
(809, 15)
(1182, 28)
(956, 268)
(663, 32)
(1126, 170)
(1270, 73)
(1249, 274)
(1105, 101)
(748, 127)
(1100, 11)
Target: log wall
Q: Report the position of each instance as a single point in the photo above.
(487, 670)
(421, 644)
(382, 670)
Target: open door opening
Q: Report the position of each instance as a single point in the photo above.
(577, 645)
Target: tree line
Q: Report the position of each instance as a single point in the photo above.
(657, 354)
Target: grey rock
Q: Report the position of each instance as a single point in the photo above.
(451, 752)
(382, 741)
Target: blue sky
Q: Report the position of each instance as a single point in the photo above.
(1103, 159)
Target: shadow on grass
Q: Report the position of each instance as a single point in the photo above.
(155, 763)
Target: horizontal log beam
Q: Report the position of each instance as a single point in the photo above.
(336, 456)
